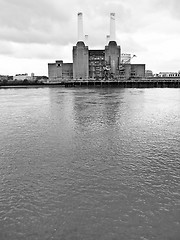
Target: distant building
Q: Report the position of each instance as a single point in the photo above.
(149, 74)
(60, 71)
(107, 63)
(22, 77)
(25, 77)
(169, 74)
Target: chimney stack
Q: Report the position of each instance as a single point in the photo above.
(80, 27)
(86, 39)
(107, 39)
(112, 27)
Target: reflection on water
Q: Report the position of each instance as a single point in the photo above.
(89, 164)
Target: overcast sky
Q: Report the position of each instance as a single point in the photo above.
(35, 32)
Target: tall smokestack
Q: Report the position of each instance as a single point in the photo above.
(86, 39)
(112, 27)
(107, 39)
(80, 27)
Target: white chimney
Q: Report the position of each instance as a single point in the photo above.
(80, 27)
(112, 27)
(107, 39)
(86, 40)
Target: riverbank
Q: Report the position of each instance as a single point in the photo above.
(33, 85)
(133, 83)
(146, 83)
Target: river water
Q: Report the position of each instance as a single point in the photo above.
(89, 164)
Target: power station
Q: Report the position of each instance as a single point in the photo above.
(100, 64)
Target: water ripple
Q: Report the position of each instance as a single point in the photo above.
(89, 164)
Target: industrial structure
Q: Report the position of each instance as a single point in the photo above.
(100, 64)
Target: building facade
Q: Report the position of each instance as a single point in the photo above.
(107, 63)
(59, 71)
(80, 61)
(96, 64)
(169, 74)
(22, 77)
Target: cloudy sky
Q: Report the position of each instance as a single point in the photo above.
(35, 32)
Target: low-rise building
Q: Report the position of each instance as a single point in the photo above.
(169, 74)
(22, 77)
(60, 71)
(149, 74)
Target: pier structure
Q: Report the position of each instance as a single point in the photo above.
(123, 83)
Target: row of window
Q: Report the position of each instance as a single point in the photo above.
(96, 58)
(96, 68)
(96, 63)
(169, 75)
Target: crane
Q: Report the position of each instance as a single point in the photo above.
(122, 67)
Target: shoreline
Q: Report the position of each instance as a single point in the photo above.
(133, 83)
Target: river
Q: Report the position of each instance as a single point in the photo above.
(89, 164)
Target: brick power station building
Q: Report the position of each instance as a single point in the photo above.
(99, 64)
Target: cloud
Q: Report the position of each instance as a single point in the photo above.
(36, 51)
(33, 21)
(132, 45)
(44, 21)
(43, 29)
(171, 8)
(5, 48)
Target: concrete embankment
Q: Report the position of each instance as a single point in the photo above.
(133, 83)
(147, 83)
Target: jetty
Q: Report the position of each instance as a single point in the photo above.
(127, 83)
